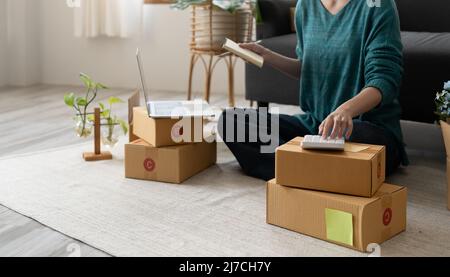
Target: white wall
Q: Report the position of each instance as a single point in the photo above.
(164, 43)
(3, 34)
(23, 48)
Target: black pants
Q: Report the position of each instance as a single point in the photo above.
(247, 149)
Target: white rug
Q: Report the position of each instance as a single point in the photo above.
(219, 212)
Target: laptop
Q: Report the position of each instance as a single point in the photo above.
(168, 109)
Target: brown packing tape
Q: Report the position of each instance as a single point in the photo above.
(386, 201)
(349, 147)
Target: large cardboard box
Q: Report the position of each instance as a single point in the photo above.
(358, 170)
(350, 221)
(166, 131)
(172, 164)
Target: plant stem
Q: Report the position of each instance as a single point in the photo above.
(110, 122)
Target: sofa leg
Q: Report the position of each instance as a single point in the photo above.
(263, 104)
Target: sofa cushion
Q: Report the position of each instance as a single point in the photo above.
(284, 45)
(427, 44)
(270, 85)
(424, 15)
(427, 66)
(275, 17)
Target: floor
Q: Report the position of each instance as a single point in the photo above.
(36, 118)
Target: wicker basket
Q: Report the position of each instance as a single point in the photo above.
(211, 25)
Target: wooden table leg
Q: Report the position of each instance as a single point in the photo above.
(209, 78)
(231, 102)
(191, 75)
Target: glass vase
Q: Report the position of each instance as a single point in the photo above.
(83, 127)
(110, 135)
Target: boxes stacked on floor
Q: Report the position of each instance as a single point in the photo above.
(160, 149)
(337, 196)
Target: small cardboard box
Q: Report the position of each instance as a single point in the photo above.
(358, 170)
(350, 221)
(166, 131)
(173, 164)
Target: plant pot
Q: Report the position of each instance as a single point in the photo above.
(445, 127)
(110, 135)
(211, 26)
(83, 127)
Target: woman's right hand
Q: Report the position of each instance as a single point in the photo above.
(255, 47)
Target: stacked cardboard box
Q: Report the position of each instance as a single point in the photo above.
(164, 149)
(339, 197)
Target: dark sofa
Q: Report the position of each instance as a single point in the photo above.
(426, 39)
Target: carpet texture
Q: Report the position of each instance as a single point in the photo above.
(219, 212)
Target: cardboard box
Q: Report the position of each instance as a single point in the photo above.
(358, 170)
(350, 221)
(173, 164)
(133, 101)
(162, 131)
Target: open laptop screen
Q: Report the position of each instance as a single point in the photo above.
(142, 77)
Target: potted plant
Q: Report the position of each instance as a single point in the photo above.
(110, 123)
(83, 124)
(215, 20)
(443, 112)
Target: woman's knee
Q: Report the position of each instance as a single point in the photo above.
(232, 121)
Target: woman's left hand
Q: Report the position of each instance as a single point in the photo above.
(337, 124)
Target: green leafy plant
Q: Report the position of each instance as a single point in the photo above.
(81, 104)
(442, 101)
(226, 5)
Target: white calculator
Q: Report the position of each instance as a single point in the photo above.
(318, 143)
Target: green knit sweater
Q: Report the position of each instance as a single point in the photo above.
(344, 53)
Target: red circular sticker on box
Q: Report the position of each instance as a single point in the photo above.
(149, 164)
(387, 217)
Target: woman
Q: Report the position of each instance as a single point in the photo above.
(350, 67)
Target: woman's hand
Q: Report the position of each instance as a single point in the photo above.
(340, 122)
(337, 124)
(255, 47)
(284, 64)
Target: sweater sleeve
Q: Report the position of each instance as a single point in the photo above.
(383, 52)
(299, 30)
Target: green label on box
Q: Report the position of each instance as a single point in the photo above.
(339, 226)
